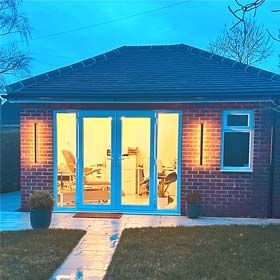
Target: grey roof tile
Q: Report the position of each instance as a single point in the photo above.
(150, 72)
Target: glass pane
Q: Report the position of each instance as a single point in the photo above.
(66, 159)
(97, 160)
(237, 120)
(236, 149)
(135, 161)
(168, 129)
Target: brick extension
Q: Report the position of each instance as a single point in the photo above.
(235, 194)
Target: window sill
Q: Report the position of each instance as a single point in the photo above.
(248, 170)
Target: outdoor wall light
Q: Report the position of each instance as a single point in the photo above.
(35, 143)
(201, 144)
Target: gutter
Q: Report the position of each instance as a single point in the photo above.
(139, 100)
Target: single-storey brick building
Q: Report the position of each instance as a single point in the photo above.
(135, 129)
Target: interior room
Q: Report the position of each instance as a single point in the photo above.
(134, 163)
(66, 159)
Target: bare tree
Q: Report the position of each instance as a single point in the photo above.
(273, 36)
(248, 47)
(13, 26)
(240, 14)
(243, 9)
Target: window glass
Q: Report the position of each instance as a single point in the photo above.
(135, 160)
(167, 144)
(237, 120)
(236, 149)
(66, 159)
(237, 134)
(97, 160)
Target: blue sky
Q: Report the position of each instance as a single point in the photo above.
(194, 22)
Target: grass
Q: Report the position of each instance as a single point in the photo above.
(217, 252)
(35, 254)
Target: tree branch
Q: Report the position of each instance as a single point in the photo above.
(247, 46)
(273, 37)
(245, 9)
(12, 60)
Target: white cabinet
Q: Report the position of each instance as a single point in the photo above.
(129, 174)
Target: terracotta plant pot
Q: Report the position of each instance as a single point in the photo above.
(193, 210)
(40, 218)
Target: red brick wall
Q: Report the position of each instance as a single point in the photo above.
(35, 176)
(224, 193)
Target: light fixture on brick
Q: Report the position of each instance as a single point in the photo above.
(201, 144)
(35, 143)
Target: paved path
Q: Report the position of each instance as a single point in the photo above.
(91, 257)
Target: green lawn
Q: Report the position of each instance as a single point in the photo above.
(35, 254)
(217, 252)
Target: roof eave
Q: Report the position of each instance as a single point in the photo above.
(196, 99)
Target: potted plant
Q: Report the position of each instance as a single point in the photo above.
(193, 205)
(162, 200)
(41, 206)
(163, 196)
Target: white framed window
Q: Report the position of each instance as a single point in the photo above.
(237, 138)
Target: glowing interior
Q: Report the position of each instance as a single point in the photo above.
(97, 160)
(134, 162)
(167, 142)
(66, 169)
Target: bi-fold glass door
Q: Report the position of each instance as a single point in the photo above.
(135, 148)
(123, 161)
(96, 161)
(115, 160)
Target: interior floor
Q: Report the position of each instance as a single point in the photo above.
(131, 199)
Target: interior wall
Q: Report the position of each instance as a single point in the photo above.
(168, 138)
(97, 139)
(136, 133)
(66, 135)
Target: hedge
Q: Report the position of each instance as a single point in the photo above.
(10, 159)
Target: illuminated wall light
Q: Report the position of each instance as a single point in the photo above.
(201, 144)
(35, 143)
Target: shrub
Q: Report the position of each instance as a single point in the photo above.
(41, 200)
(9, 159)
(193, 197)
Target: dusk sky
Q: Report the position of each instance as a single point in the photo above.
(60, 36)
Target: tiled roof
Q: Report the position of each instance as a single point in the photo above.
(149, 72)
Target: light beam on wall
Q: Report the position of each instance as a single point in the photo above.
(201, 143)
